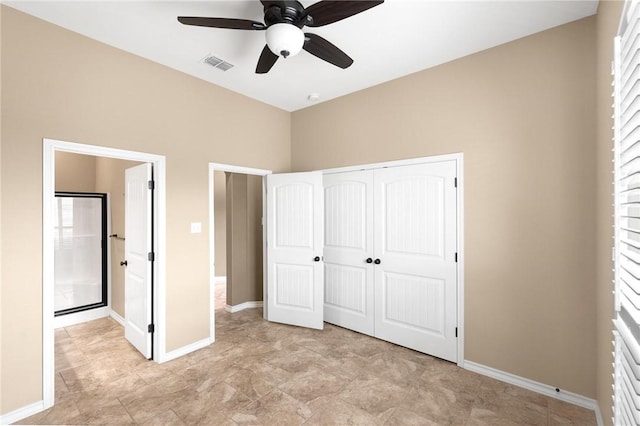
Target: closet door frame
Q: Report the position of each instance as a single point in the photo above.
(459, 160)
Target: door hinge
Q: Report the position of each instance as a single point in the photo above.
(456, 331)
(456, 257)
(151, 328)
(455, 182)
(152, 184)
(151, 256)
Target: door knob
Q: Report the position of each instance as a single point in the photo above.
(124, 263)
(369, 260)
(377, 261)
(316, 259)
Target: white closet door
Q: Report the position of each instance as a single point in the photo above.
(415, 243)
(294, 249)
(348, 250)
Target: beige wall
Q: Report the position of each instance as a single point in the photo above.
(523, 115)
(244, 238)
(59, 85)
(254, 238)
(75, 172)
(220, 218)
(110, 180)
(608, 19)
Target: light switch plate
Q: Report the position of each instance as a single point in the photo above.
(196, 227)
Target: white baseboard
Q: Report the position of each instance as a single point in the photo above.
(185, 350)
(117, 318)
(80, 317)
(566, 396)
(22, 413)
(243, 306)
(220, 279)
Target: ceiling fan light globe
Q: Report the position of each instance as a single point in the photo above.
(285, 40)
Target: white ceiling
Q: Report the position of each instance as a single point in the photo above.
(391, 40)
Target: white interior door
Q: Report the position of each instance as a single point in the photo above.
(294, 249)
(415, 259)
(348, 250)
(138, 276)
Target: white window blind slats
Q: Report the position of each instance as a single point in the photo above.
(631, 11)
(629, 51)
(627, 219)
(633, 371)
(629, 168)
(627, 372)
(630, 137)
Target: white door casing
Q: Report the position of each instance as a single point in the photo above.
(348, 250)
(294, 249)
(415, 243)
(138, 245)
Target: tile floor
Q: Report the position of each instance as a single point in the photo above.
(265, 373)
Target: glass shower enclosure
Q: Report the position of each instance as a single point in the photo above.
(80, 252)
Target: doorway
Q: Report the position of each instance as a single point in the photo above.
(214, 213)
(50, 147)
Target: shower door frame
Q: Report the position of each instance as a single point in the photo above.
(104, 258)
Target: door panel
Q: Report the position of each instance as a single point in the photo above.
(348, 199)
(415, 242)
(294, 242)
(138, 278)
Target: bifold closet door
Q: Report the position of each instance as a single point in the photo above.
(415, 249)
(348, 250)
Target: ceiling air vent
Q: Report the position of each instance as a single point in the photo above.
(217, 63)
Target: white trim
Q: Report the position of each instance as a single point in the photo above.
(187, 349)
(212, 257)
(550, 391)
(117, 318)
(213, 167)
(50, 147)
(80, 317)
(459, 157)
(239, 169)
(219, 280)
(109, 272)
(22, 413)
(242, 306)
(396, 163)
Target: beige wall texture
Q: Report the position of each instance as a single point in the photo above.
(75, 172)
(523, 115)
(607, 22)
(59, 85)
(244, 238)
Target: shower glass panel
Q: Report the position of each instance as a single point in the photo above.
(80, 256)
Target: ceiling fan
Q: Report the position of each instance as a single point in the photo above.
(283, 22)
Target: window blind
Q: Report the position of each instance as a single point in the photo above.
(626, 395)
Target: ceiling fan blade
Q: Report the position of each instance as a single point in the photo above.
(230, 23)
(330, 11)
(266, 61)
(324, 50)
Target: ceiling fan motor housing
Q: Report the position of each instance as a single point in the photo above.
(284, 27)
